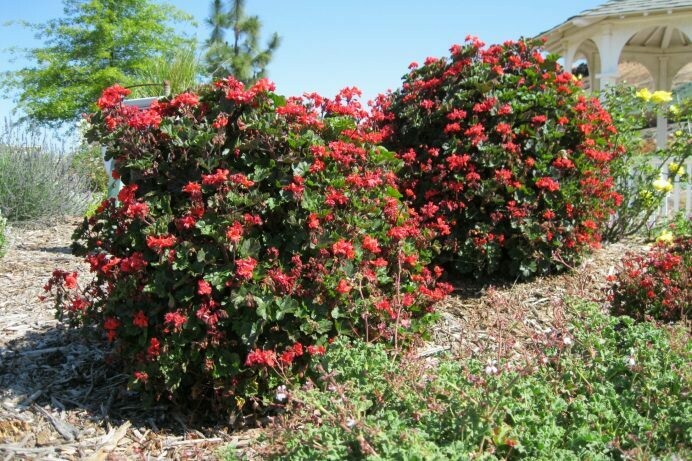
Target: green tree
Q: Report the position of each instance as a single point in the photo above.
(96, 44)
(243, 57)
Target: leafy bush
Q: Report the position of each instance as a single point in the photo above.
(38, 183)
(506, 159)
(3, 236)
(609, 389)
(252, 229)
(655, 285)
(641, 183)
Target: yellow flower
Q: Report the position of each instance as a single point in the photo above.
(675, 110)
(663, 185)
(678, 133)
(659, 97)
(644, 94)
(674, 169)
(666, 237)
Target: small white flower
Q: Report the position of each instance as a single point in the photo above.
(491, 369)
(567, 341)
(630, 362)
(281, 393)
(350, 422)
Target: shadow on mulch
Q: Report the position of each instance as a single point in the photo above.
(63, 369)
(59, 250)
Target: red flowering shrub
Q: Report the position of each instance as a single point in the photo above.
(655, 285)
(251, 230)
(505, 159)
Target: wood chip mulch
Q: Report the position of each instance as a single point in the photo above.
(504, 319)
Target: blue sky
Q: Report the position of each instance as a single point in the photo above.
(330, 44)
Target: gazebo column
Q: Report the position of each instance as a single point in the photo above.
(662, 82)
(610, 55)
(594, 64)
(569, 50)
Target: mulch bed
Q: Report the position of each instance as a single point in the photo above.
(60, 399)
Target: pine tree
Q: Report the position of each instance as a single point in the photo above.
(243, 57)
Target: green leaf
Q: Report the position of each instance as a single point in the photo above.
(249, 247)
(301, 169)
(261, 310)
(392, 192)
(324, 326)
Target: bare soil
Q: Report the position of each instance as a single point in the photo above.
(60, 398)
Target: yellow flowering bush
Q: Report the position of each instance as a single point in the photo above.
(644, 176)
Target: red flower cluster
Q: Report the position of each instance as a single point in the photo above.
(245, 267)
(160, 243)
(265, 358)
(143, 119)
(185, 99)
(655, 285)
(112, 96)
(175, 319)
(140, 320)
(343, 248)
(548, 184)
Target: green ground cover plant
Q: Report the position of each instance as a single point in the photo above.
(87, 162)
(606, 388)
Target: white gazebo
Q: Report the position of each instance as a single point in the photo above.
(654, 33)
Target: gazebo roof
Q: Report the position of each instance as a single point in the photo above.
(620, 9)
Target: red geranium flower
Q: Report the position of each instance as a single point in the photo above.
(140, 320)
